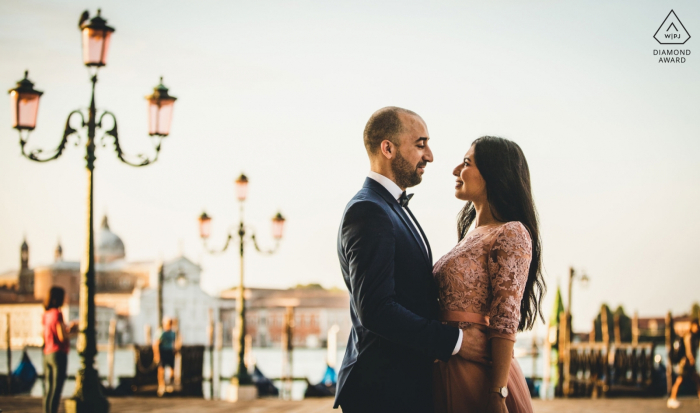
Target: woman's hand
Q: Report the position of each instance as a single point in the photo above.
(496, 404)
(72, 327)
(475, 346)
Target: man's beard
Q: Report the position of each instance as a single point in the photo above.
(406, 175)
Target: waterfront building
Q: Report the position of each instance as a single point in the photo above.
(183, 299)
(128, 292)
(316, 310)
(26, 328)
(125, 290)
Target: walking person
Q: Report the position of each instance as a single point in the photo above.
(688, 368)
(386, 262)
(491, 280)
(56, 348)
(164, 349)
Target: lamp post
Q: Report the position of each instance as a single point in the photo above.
(565, 339)
(241, 377)
(584, 282)
(96, 36)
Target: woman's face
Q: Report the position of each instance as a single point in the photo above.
(470, 185)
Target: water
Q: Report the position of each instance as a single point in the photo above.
(310, 363)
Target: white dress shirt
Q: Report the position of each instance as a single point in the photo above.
(396, 192)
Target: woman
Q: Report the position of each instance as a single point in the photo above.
(56, 347)
(491, 280)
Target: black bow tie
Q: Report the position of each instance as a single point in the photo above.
(403, 199)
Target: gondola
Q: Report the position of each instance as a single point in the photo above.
(326, 387)
(264, 385)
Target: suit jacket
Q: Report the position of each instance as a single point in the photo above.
(394, 338)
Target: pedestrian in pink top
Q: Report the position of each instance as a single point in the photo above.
(56, 347)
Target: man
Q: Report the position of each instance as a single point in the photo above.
(387, 265)
(687, 367)
(164, 349)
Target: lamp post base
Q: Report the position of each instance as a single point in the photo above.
(88, 397)
(241, 392)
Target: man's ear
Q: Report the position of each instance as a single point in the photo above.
(388, 149)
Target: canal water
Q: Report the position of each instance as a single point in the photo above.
(309, 363)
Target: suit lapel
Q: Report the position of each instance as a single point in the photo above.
(427, 244)
(379, 189)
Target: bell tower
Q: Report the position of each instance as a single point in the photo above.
(24, 255)
(58, 254)
(26, 275)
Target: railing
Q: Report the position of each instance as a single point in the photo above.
(587, 374)
(631, 367)
(598, 369)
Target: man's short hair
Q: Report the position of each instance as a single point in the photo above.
(384, 124)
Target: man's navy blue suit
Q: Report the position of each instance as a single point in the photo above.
(395, 337)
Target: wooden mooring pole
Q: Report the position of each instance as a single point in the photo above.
(669, 352)
(9, 354)
(110, 351)
(210, 335)
(219, 328)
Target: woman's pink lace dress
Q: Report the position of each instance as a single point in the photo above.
(482, 280)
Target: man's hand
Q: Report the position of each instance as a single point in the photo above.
(496, 404)
(475, 346)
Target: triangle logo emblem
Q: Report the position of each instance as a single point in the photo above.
(672, 31)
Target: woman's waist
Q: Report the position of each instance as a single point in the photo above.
(464, 316)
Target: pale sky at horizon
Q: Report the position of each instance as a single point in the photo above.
(282, 91)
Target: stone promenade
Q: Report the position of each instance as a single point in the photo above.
(181, 405)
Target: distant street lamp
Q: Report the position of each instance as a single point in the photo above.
(96, 36)
(241, 377)
(565, 335)
(584, 283)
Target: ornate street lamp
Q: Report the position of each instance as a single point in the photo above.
(241, 187)
(241, 378)
(160, 110)
(24, 104)
(96, 37)
(278, 225)
(565, 339)
(584, 283)
(204, 225)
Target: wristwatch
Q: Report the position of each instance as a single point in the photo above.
(502, 391)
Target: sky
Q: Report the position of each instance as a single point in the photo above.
(282, 91)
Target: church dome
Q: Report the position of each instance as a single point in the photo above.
(109, 246)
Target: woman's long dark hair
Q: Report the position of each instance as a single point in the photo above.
(504, 168)
(54, 299)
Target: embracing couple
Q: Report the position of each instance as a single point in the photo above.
(438, 338)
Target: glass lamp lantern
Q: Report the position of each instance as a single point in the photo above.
(181, 279)
(204, 225)
(242, 187)
(585, 280)
(24, 104)
(96, 37)
(160, 110)
(278, 226)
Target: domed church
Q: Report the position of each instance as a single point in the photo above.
(128, 289)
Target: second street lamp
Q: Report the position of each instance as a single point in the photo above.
(241, 377)
(96, 35)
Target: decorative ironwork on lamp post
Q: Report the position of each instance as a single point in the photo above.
(241, 376)
(96, 36)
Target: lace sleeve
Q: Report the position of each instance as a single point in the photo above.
(508, 264)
